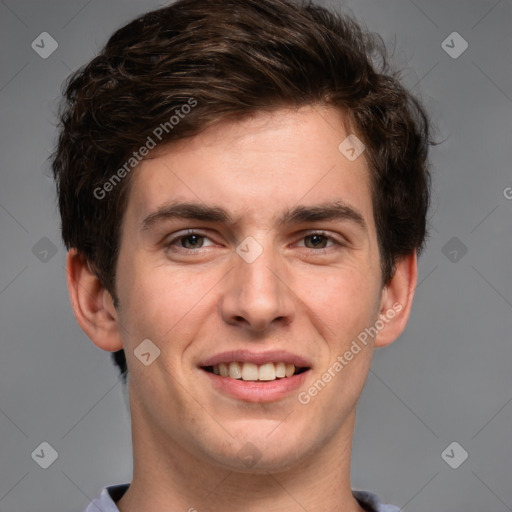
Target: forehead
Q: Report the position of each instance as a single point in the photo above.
(258, 167)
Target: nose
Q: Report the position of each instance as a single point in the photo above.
(257, 295)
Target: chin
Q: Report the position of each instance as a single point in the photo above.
(259, 462)
(258, 454)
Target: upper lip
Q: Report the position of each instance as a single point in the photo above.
(248, 356)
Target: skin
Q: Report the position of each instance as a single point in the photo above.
(309, 299)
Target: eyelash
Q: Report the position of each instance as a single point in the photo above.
(183, 235)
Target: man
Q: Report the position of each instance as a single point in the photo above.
(243, 196)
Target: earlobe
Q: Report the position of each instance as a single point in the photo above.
(397, 298)
(92, 304)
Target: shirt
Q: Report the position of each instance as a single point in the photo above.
(109, 495)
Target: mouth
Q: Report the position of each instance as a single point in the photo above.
(252, 372)
(256, 376)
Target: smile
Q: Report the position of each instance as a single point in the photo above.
(251, 376)
(255, 372)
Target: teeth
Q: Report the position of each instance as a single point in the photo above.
(235, 370)
(249, 371)
(254, 372)
(280, 370)
(223, 370)
(267, 372)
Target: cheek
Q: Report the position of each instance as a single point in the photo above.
(346, 301)
(160, 301)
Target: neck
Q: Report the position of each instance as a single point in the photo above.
(168, 477)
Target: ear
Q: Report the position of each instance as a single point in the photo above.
(396, 301)
(92, 304)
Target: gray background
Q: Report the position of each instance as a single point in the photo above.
(446, 379)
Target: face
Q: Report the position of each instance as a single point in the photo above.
(249, 250)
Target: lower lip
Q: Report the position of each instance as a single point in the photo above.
(253, 391)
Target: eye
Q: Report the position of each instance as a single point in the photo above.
(190, 240)
(318, 240)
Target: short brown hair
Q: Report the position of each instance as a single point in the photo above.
(230, 59)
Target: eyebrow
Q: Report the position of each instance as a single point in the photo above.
(334, 210)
